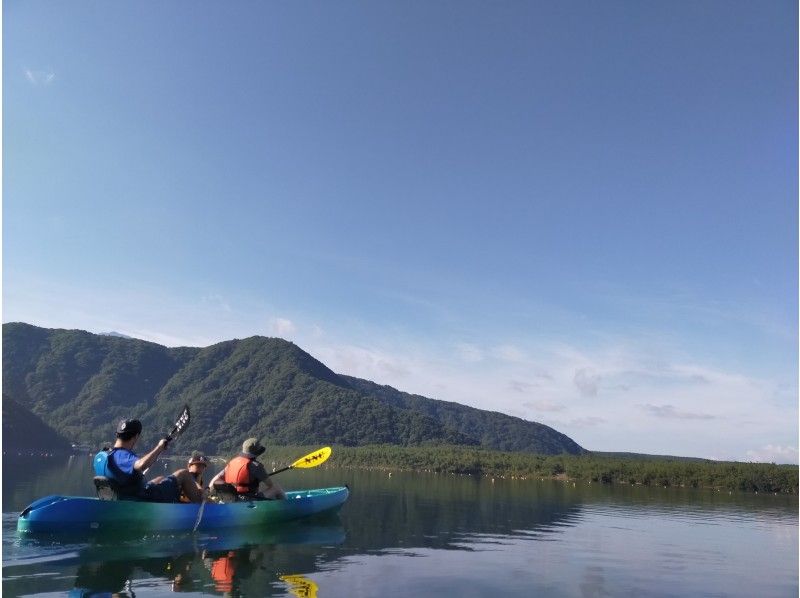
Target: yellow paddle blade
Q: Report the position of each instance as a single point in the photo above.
(300, 586)
(318, 457)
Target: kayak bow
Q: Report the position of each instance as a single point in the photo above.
(54, 514)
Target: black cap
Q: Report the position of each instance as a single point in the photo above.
(129, 427)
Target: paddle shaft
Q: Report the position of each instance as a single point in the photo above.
(280, 470)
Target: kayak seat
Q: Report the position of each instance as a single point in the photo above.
(107, 489)
(225, 492)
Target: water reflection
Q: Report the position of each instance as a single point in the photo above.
(227, 563)
(457, 532)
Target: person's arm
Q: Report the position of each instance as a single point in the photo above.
(143, 463)
(216, 478)
(271, 488)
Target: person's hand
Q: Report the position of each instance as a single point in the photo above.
(163, 443)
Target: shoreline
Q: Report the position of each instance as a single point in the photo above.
(646, 471)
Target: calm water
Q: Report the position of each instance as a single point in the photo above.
(426, 535)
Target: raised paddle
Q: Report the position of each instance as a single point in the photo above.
(180, 425)
(318, 457)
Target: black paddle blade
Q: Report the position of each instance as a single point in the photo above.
(180, 425)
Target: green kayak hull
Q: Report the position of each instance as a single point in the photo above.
(56, 514)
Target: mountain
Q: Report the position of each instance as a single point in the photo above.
(492, 429)
(22, 430)
(83, 383)
(114, 333)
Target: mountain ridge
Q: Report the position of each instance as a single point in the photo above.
(80, 383)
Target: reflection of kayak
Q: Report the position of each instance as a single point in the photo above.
(54, 514)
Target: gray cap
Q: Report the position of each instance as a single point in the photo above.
(252, 446)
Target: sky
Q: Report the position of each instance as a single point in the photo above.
(580, 213)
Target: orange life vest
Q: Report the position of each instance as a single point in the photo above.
(222, 571)
(237, 472)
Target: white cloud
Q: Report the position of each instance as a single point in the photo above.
(523, 387)
(670, 412)
(372, 364)
(600, 391)
(39, 77)
(544, 406)
(586, 381)
(773, 454)
(282, 327)
(586, 422)
(509, 353)
(469, 352)
(215, 302)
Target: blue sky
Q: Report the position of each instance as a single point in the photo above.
(579, 213)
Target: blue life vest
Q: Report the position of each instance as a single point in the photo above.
(101, 464)
(130, 484)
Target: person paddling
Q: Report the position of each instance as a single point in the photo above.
(128, 469)
(247, 474)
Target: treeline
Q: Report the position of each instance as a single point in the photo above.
(82, 384)
(645, 470)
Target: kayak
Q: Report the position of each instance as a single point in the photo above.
(55, 514)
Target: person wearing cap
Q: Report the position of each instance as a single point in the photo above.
(196, 466)
(247, 474)
(128, 469)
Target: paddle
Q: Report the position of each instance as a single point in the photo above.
(318, 457)
(180, 425)
(300, 586)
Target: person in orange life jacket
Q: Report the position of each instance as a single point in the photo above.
(247, 474)
(196, 466)
(128, 469)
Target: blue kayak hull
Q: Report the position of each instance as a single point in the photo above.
(71, 514)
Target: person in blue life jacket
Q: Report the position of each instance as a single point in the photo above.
(128, 470)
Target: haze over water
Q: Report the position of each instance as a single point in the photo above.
(430, 535)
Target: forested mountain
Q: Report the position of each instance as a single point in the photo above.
(23, 431)
(492, 429)
(82, 383)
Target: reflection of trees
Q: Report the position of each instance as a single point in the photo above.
(403, 511)
(26, 479)
(384, 512)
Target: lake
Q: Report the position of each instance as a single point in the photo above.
(422, 534)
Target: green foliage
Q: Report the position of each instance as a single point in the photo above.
(22, 430)
(641, 470)
(493, 430)
(80, 384)
(83, 383)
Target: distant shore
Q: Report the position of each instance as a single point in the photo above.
(629, 470)
(633, 470)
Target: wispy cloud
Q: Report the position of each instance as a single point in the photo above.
(522, 387)
(39, 77)
(619, 393)
(282, 327)
(214, 301)
(587, 382)
(773, 454)
(469, 352)
(586, 422)
(509, 353)
(544, 405)
(373, 364)
(670, 412)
